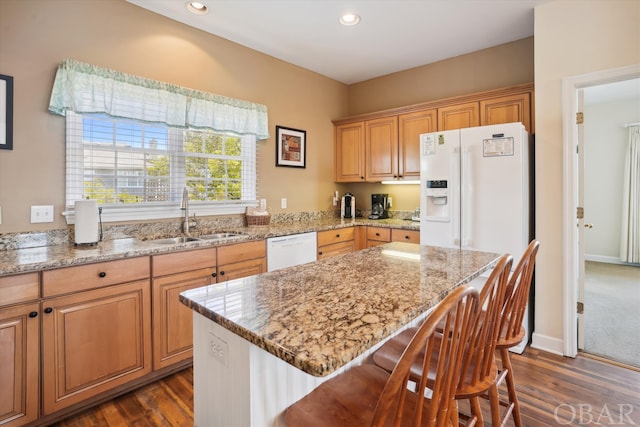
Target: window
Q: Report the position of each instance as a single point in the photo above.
(138, 170)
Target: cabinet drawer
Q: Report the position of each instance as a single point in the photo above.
(89, 276)
(335, 236)
(409, 236)
(241, 252)
(336, 249)
(378, 233)
(183, 261)
(19, 288)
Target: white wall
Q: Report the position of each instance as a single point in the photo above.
(572, 37)
(606, 141)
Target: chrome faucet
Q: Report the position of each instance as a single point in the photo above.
(187, 225)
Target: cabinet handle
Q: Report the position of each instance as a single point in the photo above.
(320, 253)
(214, 274)
(362, 177)
(102, 274)
(406, 237)
(222, 273)
(337, 235)
(33, 314)
(48, 310)
(377, 234)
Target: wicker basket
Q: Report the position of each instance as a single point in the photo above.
(258, 219)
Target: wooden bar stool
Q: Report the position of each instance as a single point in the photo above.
(368, 395)
(511, 330)
(479, 370)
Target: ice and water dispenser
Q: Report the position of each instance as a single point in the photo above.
(437, 194)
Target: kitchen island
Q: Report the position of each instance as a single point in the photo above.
(263, 342)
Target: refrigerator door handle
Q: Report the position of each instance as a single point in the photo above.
(467, 192)
(454, 189)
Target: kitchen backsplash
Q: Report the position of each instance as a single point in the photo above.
(12, 241)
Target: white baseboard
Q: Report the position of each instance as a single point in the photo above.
(603, 258)
(547, 343)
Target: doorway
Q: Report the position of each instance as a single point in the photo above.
(582, 245)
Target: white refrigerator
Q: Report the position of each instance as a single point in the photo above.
(474, 191)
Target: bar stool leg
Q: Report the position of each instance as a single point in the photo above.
(511, 386)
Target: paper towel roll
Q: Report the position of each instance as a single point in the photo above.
(86, 228)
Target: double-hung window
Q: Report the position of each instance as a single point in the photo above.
(135, 144)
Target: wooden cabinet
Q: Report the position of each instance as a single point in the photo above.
(174, 273)
(378, 236)
(409, 236)
(94, 341)
(19, 349)
(349, 153)
(381, 149)
(459, 116)
(177, 272)
(368, 150)
(507, 109)
(336, 242)
(410, 126)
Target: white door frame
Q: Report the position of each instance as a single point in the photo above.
(570, 86)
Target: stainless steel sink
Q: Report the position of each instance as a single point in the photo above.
(173, 240)
(218, 236)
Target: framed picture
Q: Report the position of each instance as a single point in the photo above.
(291, 147)
(6, 112)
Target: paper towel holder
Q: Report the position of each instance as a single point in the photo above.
(88, 223)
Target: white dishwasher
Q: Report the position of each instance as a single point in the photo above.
(287, 251)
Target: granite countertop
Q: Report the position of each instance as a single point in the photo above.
(321, 315)
(42, 256)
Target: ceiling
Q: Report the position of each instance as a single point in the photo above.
(393, 35)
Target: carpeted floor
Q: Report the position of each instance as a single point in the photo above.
(612, 312)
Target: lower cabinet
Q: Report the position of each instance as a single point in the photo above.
(409, 236)
(336, 242)
(19, 364)
(94, 341)
(378, 236)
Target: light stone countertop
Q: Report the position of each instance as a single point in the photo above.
(321, 315)
(42, 256)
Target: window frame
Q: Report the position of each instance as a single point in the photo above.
(161, 210)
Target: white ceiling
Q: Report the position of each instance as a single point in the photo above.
(393, 35)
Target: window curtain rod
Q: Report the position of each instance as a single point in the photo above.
(628, 125)
(86, 88)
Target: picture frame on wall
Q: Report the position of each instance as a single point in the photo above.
(291, 147)
(6, 112)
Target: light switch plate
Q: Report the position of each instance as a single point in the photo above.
(41, 214)
(283, 203)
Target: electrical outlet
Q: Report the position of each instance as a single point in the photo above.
(218, 348)
(41, 214)
(390, 201)
(283, 203)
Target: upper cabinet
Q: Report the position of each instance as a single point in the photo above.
(385, 145)
(459, 116)
(349, 152)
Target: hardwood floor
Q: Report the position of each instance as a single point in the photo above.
(553, 391)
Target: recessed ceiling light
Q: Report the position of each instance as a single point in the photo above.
(197, 7)
(349, 19)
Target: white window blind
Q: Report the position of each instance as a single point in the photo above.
(138, 170)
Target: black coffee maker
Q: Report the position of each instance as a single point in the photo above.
(379, 206)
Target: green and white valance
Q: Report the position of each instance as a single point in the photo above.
(86, 88)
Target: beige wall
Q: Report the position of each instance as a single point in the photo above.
(572, 37)
(35, 35)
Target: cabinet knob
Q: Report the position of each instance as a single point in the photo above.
(377, 234)
(214, 274)
(222, 273)
(48, 310)
(102, 274)
(406, 237)
(337, 235)
(33, 314)
(320, 253)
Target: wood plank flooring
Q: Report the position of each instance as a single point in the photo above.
(553, 391)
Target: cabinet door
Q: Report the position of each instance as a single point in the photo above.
(378, 236)
(19, 362)
(459, 116)
(172, 320)
(241, 269)
(335, 249)
(94, 341)
(349, 152)
(507, 109)
(410, 126)
(381, 149)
